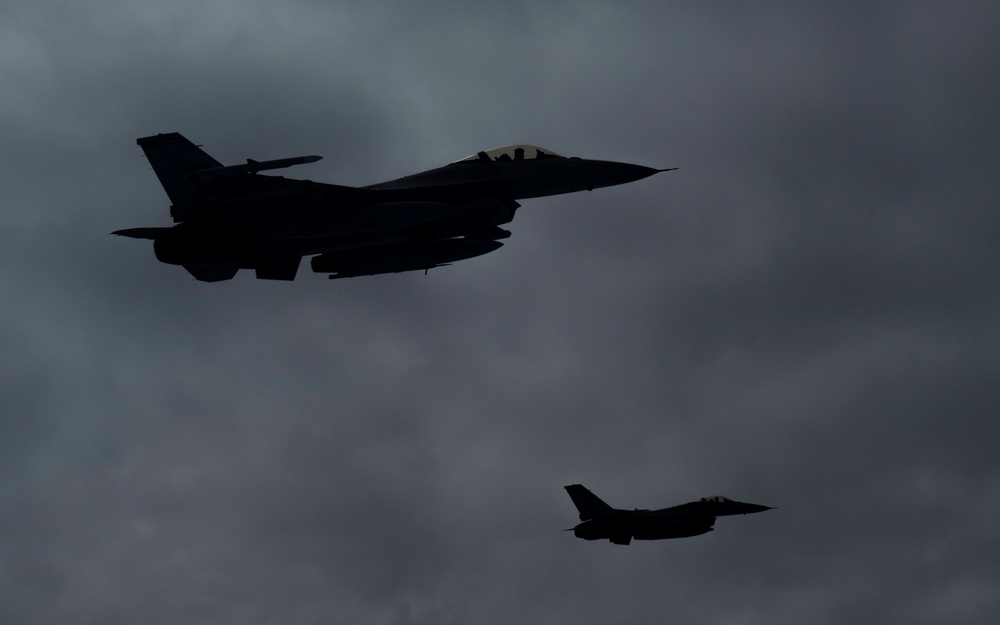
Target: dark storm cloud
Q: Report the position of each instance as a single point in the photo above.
(804, 315)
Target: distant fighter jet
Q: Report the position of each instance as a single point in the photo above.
(620, 526)
(232, 218)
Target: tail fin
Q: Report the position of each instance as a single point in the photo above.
(175, 159)
(589, 504)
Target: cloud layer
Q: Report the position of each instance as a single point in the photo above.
(804, 315)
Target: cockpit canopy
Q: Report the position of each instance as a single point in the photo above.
(513, 152)
(716, 499)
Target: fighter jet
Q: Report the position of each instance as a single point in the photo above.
(601, 521)
(234, 217)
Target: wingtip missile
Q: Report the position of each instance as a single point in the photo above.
(252, 166)
(143, 233)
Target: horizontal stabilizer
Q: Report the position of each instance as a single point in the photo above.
(143, 233)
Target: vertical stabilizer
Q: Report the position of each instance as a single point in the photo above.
(589, 504)
(175, 159)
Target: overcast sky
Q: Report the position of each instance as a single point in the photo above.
(805, 315)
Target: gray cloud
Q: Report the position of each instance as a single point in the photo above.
(804, 315)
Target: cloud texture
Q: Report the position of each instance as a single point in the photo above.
(805, 315)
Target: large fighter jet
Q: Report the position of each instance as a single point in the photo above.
(232, 218)
(620, 526)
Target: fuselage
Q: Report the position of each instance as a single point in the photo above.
(600, 521)
(643, 525)
(521, 179)
(235, 217)
(462, 198)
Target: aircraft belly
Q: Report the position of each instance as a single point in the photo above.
(197, 250)
(673, 530)
(381, 217)
(213, 272)
(387, 218)
(400, 258)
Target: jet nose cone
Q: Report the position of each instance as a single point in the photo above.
(610, 173)
(753, 507)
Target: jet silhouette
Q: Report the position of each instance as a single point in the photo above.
(601, 521)
(233, 217)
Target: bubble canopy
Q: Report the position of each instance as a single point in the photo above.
(717, 499)
(513, 152)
